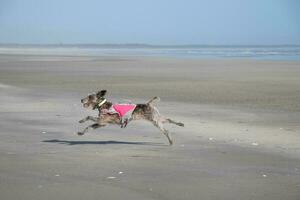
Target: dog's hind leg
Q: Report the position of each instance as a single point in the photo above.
(94, 119)
(168, 120)
(93, 126)
(159, 125)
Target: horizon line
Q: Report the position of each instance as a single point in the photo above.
(143, 45)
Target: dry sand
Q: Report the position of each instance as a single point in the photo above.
(241, 139)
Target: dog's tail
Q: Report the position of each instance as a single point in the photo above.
(153, 101)
(173, 122)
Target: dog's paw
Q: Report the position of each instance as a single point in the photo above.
(81, 121)
(80, 133)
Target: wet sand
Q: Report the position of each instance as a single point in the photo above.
(240, 140)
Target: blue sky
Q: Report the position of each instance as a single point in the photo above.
(214, 22)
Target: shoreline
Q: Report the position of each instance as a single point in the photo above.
(204, 52)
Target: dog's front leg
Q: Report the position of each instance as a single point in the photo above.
(94, 119)
(93, 126)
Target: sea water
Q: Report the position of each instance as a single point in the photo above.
(283, 52)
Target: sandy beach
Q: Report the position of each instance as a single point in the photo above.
(241, 138)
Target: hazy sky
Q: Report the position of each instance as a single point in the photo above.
(150, 21)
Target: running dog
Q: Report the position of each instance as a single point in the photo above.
(110, 113)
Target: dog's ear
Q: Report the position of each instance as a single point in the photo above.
(101, 93)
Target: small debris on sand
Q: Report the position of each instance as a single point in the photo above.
(44, 132)
(211, 138)
(264, 175)
(57, 175)
(111, 177)
(120, 173)
(255, 144)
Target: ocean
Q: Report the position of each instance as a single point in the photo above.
(284, 52)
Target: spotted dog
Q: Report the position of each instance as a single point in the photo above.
(109, 115)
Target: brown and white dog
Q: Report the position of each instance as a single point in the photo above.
(145, 111)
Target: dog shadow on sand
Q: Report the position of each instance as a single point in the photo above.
(73, 142)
